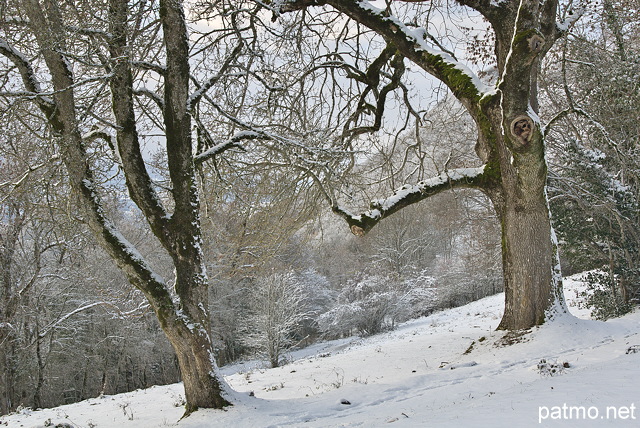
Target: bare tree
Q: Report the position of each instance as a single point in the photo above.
(88, 48)
(511, 167)
(28, 237)
(59, 295)
(134, 93)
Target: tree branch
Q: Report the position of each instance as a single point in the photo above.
(411, 194)
(56, 323)
(138, 181)
(28, 75)
(573, 15)
(160, 69)
(202, 89)
(464, 84)
(488, 8)
(152, 95)
(229, 144)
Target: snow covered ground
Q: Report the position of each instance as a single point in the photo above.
(450, 369)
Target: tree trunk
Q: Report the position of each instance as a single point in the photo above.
(532, 279)
(530, 264)
(197, 367)
(37, 394)
(7, 374)
(9, 301)
(531, 286)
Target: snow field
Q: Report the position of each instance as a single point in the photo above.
(450, 369)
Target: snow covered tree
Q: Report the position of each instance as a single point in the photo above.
(511, 168)
(63, 307)
(30, 245)
(108, 77)
(138, 96)
(372, 303)
(278, 308)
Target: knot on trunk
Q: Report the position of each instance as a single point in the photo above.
(535, 43)
(357, 230)
(522, 129)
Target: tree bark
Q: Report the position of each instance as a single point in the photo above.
(531, 284)
(202, 386)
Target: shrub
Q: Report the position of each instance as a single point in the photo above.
(374, 303)
(604, 296)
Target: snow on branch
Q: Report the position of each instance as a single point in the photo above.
(579, 111)
(226, 145)
(145, 65)
(410, 194)
(90, 32)
(118, 313)
(17, 183)
(27, 72)
(202, 89)
(45, 96)
(573, 15)
(126, 255)
(152, 95)
(265, 135)
(97, 133)
(411, 43)
(26, 174)
(100, 133)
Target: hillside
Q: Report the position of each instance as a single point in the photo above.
(448, 369)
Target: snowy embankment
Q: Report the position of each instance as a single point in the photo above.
(450, 369)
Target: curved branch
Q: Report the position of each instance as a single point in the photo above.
(152, 95)
(410, 194)
(145, 65)
(373, 78)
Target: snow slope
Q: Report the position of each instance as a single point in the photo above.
(424, 374)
